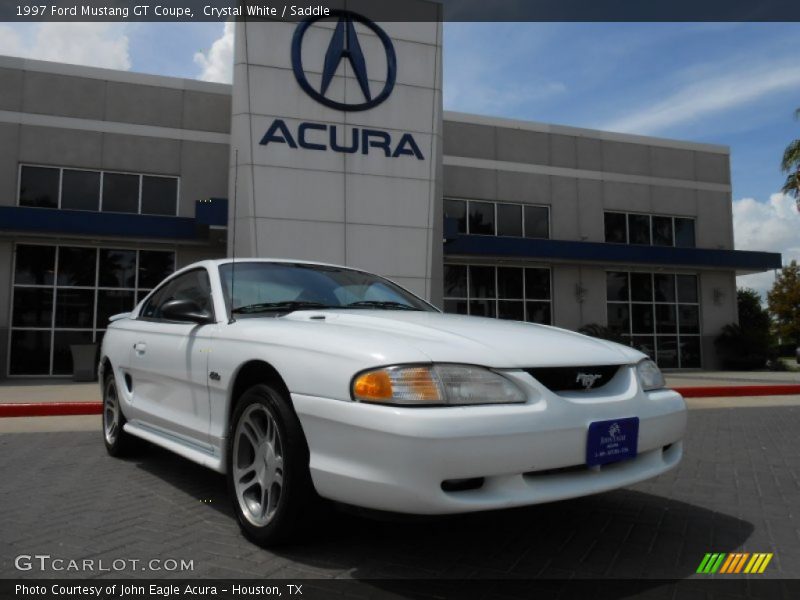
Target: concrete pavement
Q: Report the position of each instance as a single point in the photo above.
(737, 490)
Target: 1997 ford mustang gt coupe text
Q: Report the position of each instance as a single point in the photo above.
(300, 379)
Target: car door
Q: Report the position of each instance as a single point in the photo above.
(169, 361)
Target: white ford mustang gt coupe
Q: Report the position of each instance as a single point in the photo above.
(300, 380)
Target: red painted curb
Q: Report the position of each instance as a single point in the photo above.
(51, 409)
(718, 391)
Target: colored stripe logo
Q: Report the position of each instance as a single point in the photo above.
(735, 562)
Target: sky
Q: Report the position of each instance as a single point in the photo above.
(735, 84)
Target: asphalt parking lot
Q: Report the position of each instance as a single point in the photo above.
(738, 489)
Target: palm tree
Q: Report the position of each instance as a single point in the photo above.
(790, 164)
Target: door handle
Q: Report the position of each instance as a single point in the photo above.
(140, 348)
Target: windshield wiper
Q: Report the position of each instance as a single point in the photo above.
(289, 305)
(387, 304)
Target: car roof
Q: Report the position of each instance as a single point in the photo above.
(222, 261)
(226, 261)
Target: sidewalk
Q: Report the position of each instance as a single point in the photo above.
(47, 390)
(52, 390)
(721, 378)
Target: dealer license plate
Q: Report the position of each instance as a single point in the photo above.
(612, 441)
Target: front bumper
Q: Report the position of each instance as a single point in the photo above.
(396, 459)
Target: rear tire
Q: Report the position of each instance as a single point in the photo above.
(267, 467)
(117, 441)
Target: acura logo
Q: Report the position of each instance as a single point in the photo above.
(344, 44)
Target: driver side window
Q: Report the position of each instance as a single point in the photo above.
(193, 285)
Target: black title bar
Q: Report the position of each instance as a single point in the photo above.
(402, 10)
(394, 589)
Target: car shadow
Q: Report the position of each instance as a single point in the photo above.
(621, 535)
(198, 482)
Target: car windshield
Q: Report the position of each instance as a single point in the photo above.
(277, 288)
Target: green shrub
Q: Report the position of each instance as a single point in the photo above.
(748, 345)
(743, 349)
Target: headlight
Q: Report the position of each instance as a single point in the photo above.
(428, 385)
(650, 375)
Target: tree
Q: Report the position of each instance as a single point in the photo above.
(790, 164)
(748, 344)
(784, 303)
(751, 314)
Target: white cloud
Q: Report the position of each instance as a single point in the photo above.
(707, 95)
(92, 44)
(217, 62)
(771, 226)
(497, 99)
(495, 75)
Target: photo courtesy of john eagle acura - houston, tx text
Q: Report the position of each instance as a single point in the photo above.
(320, 284)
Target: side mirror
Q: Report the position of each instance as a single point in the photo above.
(185, 310)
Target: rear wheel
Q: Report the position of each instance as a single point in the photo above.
(117, 441)
(267, 469)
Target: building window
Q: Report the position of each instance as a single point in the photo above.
(64, 295)
(649, 230)
(159, 195)
(481, 218)
(120, 193)
(38, 186)
(81, 189)
(509, 220)
(662, 231)
(499, 218)
(515, 293)
(684, 233)
(457, 210)
(537, 222)
(616, 225)
(639, 229)
(657, 313)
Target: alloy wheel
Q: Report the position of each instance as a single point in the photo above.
(111, 412)
(258, 465)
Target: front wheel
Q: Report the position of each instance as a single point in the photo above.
(267, 468)
(117, 441)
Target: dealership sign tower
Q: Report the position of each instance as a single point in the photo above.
(336, 129)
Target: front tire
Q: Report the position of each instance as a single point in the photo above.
(118, 443)
(267, 469)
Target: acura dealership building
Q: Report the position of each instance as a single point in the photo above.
(332, 145)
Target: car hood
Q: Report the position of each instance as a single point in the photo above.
(462, 339)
